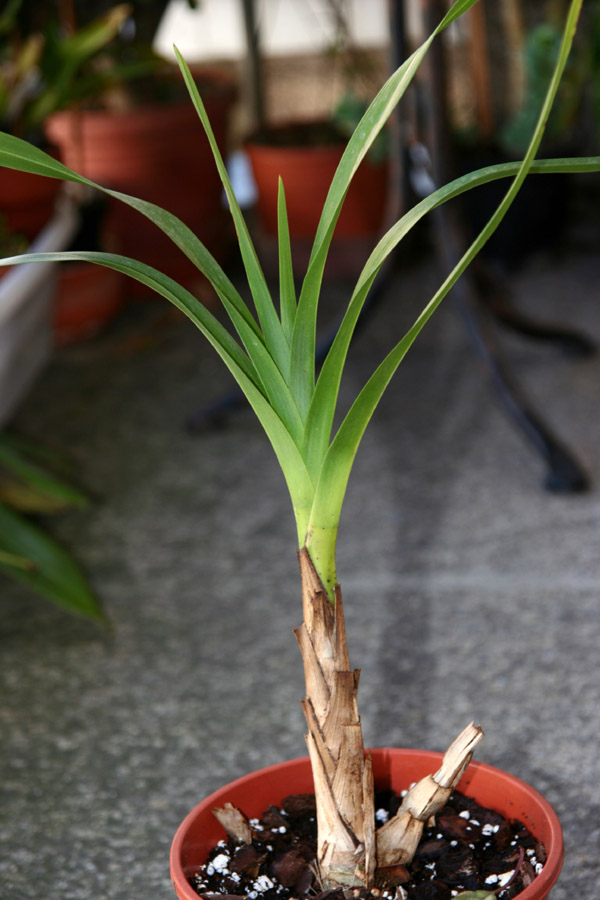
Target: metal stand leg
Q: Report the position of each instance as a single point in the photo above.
(564, 473)
(494, 289)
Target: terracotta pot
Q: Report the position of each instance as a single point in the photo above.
(144, 152)
(306, 172)
(27, 201)
(88, 299)
(397, 769)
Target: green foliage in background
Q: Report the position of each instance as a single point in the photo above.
(30, 489)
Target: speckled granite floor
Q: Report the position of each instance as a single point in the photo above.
(486, 604)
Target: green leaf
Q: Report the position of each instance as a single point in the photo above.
(322, 409)
(287, 290)
(29, 555)
(18, 154)
(339, 458)
(21, 155)
(71, 53)
(33, 488)
(11, 561)
(299, 483)
(265, 308)
(369, 127)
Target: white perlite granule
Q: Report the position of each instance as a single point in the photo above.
(218, 864)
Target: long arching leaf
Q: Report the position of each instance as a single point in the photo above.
(267, 314)
(20, 155)
(320, 417)
(299, 483)
(374, 119)
(338, 461)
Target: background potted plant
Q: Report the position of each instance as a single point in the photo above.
(274, 364)
(134, 132)
(81, 83)
(46, 66)
(42, 70)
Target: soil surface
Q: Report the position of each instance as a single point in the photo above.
(469, 848)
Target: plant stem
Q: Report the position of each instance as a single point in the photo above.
(342, 775)
(320, 543)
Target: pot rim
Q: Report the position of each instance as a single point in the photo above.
(382, 757)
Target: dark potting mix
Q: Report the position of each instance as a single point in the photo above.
(469, 848)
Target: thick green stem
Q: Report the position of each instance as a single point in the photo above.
(320, 543)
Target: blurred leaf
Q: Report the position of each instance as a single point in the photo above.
(29, 555)
(14, 562)
(26, 486)
(8, 16)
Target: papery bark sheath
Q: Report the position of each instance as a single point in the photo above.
(349, 851)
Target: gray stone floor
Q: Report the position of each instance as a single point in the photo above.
(471, 592)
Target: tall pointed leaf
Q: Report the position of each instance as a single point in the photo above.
(267, 314)
(320, 417)
(372, 122)
(287, 290)
(338, 461)
(299, 483)
(18, 154)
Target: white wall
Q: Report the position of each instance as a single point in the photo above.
(215, 31)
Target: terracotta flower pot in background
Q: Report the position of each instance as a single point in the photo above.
(306, 170)
(397, 769)
(27, 201)
(143, 151)
(88, 299)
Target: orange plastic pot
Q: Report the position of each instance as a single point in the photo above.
(396, 769)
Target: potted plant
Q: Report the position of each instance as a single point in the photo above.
(41, 71)
(132, 128)
(138, 140)
(45, 67)
(274, 364)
